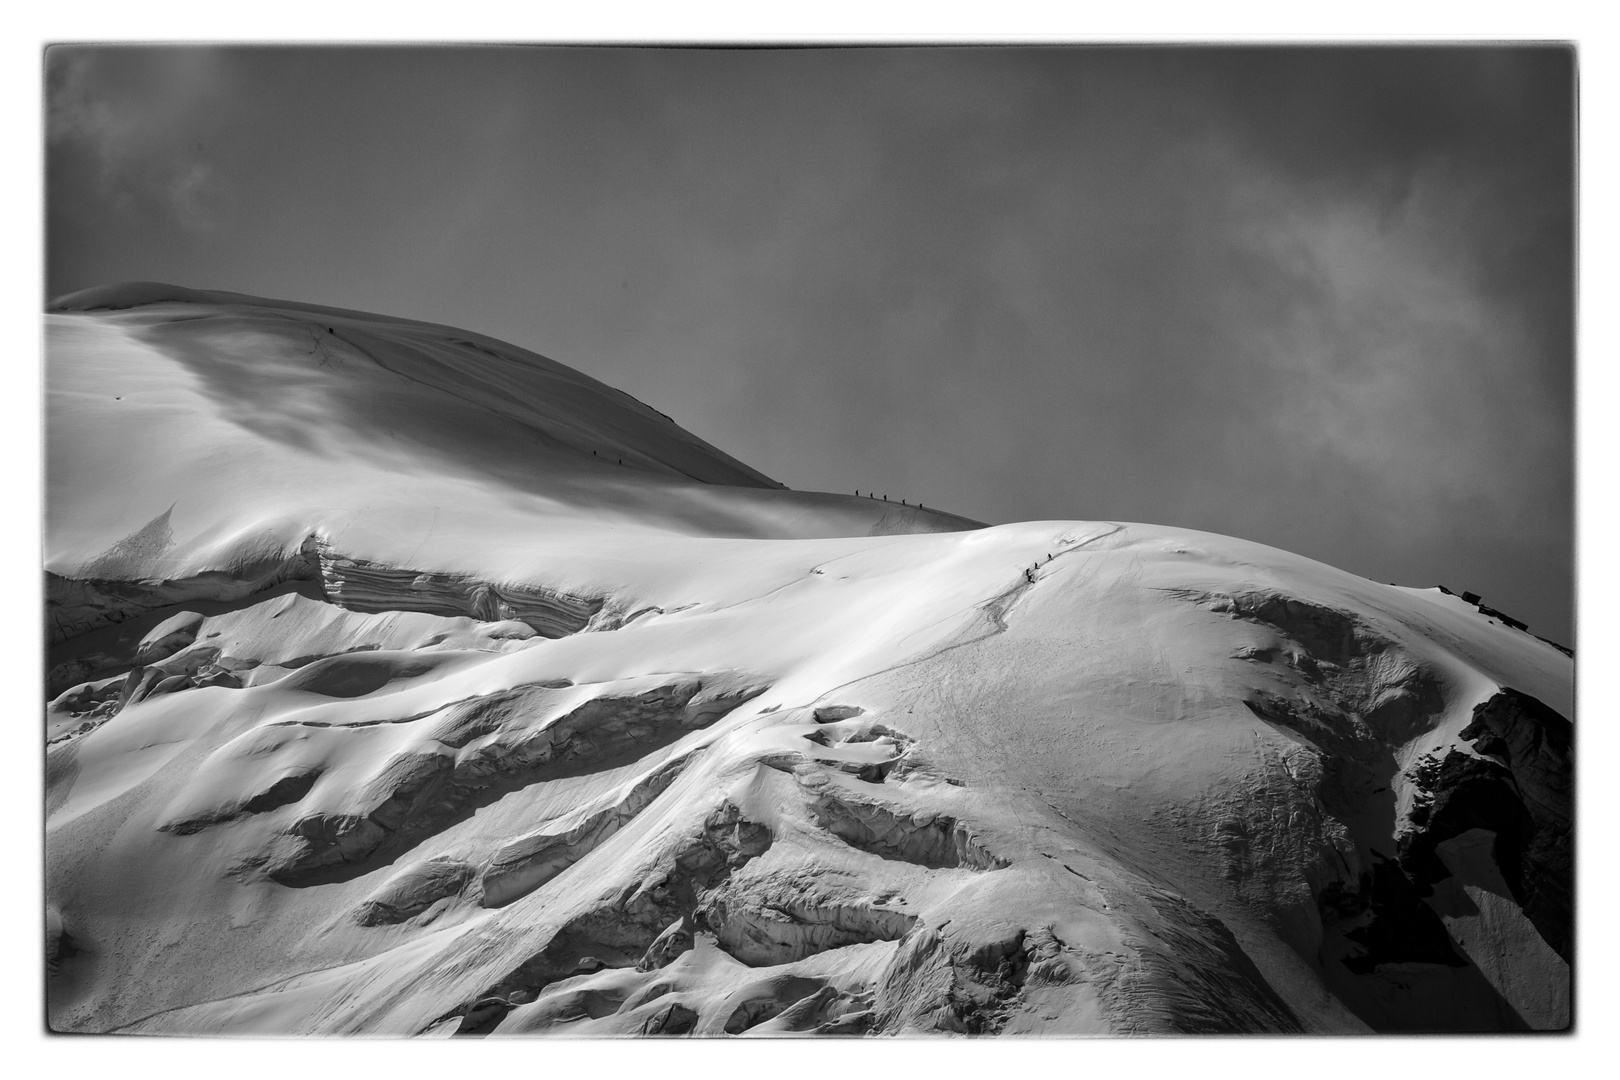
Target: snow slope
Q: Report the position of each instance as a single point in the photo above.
(381, 704)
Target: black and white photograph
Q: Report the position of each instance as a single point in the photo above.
(864, 540)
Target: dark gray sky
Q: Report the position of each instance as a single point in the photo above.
(1320, 299)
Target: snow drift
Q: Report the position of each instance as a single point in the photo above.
(405, 682)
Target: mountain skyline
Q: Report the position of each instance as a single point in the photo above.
(1318, 298)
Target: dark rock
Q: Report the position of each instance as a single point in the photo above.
(1397, 927)
(673, 1019)
(1537, 858)
(1521, 792)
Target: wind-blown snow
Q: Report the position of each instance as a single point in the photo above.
(381, 704)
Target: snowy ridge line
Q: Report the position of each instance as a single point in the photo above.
(993, 609)
(523, 375)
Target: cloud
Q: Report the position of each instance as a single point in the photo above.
(122, 125)
(1385, 353)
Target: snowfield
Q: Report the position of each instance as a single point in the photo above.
(405, 682)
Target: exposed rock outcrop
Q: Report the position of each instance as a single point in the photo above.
(1520, 790)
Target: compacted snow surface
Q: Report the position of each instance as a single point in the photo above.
(405, 682)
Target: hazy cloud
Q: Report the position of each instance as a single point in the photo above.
(1382, 352)
(125, 131)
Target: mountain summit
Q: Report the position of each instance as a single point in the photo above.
(403, 681)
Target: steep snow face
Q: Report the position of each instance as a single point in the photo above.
(215, 445)
(379, 705)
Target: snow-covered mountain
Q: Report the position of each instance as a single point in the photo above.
(402, 681)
